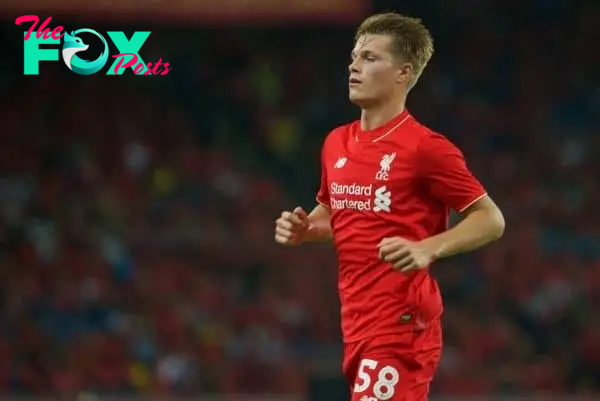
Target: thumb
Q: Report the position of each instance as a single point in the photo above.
(301, 213)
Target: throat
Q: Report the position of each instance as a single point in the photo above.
(372, 119)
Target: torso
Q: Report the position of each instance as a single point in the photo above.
(374, 192)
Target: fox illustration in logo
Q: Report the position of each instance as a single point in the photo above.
(74, 45)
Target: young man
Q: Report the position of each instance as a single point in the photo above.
(387, 186)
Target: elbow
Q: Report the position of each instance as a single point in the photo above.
(497, 225)
(492, 219)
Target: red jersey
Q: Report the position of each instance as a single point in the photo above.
(400, 179)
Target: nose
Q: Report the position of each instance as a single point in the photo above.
(353, 68)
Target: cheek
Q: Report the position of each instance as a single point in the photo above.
(380, 77)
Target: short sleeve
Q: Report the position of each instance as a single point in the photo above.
(442, 168)
(323, 193)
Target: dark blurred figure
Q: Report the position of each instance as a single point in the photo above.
(137, 213)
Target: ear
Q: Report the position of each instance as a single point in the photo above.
(405, 73)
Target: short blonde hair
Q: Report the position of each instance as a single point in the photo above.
(411, 40)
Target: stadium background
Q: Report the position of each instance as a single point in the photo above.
(137, 212)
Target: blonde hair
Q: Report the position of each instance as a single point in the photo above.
(411, 40)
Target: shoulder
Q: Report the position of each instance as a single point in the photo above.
(338, 136)
(435, 153)
(429, 142)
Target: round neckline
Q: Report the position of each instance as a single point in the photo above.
(382, 131)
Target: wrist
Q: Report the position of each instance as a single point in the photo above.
(317, 233)
(312, 233)
(433, 247)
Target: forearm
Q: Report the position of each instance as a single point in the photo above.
(477, 229)
(320, 227)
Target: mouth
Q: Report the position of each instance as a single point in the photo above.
(354, 82)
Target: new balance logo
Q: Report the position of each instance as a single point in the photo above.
(384, 167)
(341, 162)
(383, 200)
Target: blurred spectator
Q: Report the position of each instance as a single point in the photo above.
(138, 213)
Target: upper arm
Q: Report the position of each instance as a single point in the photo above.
(488, 208)
(323, 192)
(445, 175)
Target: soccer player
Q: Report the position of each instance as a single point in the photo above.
(387, 186)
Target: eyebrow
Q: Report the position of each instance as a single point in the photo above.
(363, 53)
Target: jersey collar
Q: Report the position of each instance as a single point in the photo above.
(383, 131)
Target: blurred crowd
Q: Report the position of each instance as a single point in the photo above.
(138, 213)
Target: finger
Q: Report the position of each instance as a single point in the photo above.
(283, 223)
(404, 262)
(301, 213)
(412, 267)
(397, 255)
(390, 248)
(384, 241)
(385, 250)
(392, 240)
(284, 232)
(291, 217)
(282, 239)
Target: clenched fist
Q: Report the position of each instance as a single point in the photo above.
(291, 227)
(405, 255)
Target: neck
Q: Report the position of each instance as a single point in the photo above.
(376, 116)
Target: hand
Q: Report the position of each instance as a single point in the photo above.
(291, 227)
(405, 255)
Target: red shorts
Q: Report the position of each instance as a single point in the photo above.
(397, 367)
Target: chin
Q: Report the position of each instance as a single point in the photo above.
(358, 99)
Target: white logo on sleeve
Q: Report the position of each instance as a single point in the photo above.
(383, 199)
(384, 167)
(341, 162)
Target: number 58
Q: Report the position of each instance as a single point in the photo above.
(387, 378)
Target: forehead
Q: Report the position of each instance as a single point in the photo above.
(373, 43)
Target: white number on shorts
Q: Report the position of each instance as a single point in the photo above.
(383, 388)
(387, 379)
(364, 376)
